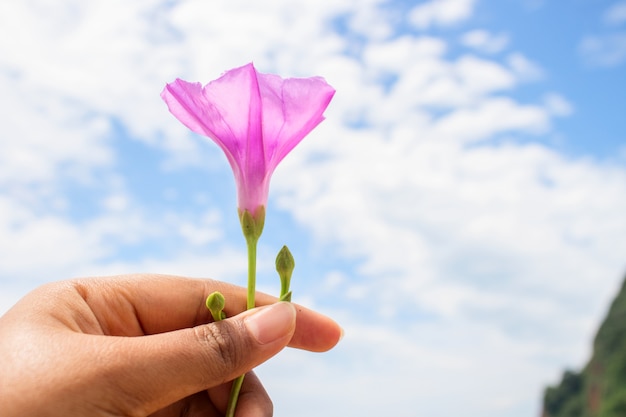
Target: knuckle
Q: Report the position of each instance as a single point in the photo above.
(224, 350)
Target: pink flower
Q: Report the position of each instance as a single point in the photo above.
(257, 119)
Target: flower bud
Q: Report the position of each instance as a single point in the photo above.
(284, 266)
(215, 303)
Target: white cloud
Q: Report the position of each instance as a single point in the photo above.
(558, 105)
(524, 68)
(616, 14)
(607, 49)
(33, 121)
(484, 41)
(56, 242)
(371, 22)
(604, 50)
(482, 77)
(416, 359)
(533, 5)
(202, 231)
(441, 12)
(500, 237)
(491, 117)
(423, 77)
(37, 248)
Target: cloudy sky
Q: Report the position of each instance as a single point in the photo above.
(461, 212)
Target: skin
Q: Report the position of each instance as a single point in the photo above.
(144, 345)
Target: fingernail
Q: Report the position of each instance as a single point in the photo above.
(272, 322)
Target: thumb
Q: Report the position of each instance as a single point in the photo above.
(155, 371)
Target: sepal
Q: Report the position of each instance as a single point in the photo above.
(252, 225)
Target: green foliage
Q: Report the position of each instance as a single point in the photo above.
(600, 389)
(611, 337)
(616, 406)
(565, 399)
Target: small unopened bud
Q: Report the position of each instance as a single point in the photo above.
(284, 266)
(215, 303)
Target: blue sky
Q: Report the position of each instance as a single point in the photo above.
(460, 212)
(579, 45)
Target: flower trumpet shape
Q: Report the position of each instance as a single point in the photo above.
(257, 119)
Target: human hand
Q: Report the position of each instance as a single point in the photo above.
(140, 345)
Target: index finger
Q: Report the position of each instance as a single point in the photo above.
(133, 305)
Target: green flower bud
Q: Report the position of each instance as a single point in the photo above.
(215, 303)
(284, 266)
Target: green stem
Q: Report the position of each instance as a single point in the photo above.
(251, 242)
(234, 396)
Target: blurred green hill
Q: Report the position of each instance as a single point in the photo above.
(599, 390)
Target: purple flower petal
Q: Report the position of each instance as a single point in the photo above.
(257, 119)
